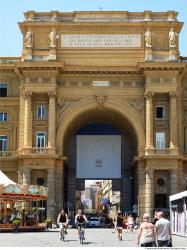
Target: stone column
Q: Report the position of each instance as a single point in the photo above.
(51, 194)
(21, 119)
(28, 121)
(173, 181)
(173, 122)
(149, 186)
(141, 187)
(181, 176)
(26, 175)
(59, 186)
(52, 121)
(20, 176)
(149, 122)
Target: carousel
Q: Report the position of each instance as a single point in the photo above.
(22, 207)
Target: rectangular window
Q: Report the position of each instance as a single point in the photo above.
(160, 140)
(3, 142)
(40, 140)
(3, 89)
(3, 117)
(159, 112)
(41, 112)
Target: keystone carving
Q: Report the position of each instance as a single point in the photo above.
(100, 101)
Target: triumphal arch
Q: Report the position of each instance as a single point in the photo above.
(96, 95)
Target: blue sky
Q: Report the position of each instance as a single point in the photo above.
(11, 12)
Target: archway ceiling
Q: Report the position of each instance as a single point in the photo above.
(104, 115)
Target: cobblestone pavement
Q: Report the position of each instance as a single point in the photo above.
(94, 238)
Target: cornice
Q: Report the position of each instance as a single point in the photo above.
(49, 68)
(162, 66)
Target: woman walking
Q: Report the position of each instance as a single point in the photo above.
(119, 225)
(130, 223)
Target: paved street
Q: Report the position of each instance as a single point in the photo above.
(94, 238)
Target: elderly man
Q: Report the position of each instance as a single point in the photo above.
(146, 234)
(163, 231)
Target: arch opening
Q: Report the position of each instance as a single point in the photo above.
(101, 122)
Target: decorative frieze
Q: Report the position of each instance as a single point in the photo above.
(162, 79)
(102, 83)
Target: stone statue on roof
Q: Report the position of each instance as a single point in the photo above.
(172, 38)
(148, 38)
(53, 37)
(28, 38)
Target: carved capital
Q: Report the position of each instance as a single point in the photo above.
(51, 93)
(173, 94)
(149, 94)
(27, 94)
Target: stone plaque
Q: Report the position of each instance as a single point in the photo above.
(100, 83)
(101, 41)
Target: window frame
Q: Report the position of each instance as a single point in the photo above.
(3, 113)
(37, 136)
(6, 149)
(160, 106)
(37, 112)
(160, 141)
(4, 83)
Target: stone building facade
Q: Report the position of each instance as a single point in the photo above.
(80, 68)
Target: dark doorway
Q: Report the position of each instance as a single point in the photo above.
(160, 201)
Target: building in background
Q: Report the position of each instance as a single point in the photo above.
(111, 199)
(97, 94)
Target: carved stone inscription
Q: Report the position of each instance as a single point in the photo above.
(101, 41)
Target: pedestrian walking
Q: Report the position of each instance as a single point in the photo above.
(130, 223)
(119, 224)
(137, 223)
(163, 231)
(147, 233)
(155, 219)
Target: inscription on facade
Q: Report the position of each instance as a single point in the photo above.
(100, 83)
(101, 41)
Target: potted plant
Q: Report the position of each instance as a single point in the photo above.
(48, 223)
(16, 224)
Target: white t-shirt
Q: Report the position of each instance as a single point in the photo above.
(163, 229)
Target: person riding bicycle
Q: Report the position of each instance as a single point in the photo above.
(80, 220)
(62, 221)
(119, 224)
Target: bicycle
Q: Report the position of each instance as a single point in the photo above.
(62, 231)
(81, 232)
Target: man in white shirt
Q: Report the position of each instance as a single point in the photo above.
(163, 230)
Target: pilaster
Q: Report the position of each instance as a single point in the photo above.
(149, 123)
(173, 123)
(51, 194)
(52, 121)
(28, 120)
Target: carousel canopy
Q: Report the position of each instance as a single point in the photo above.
(8, 188)
(4, 180)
